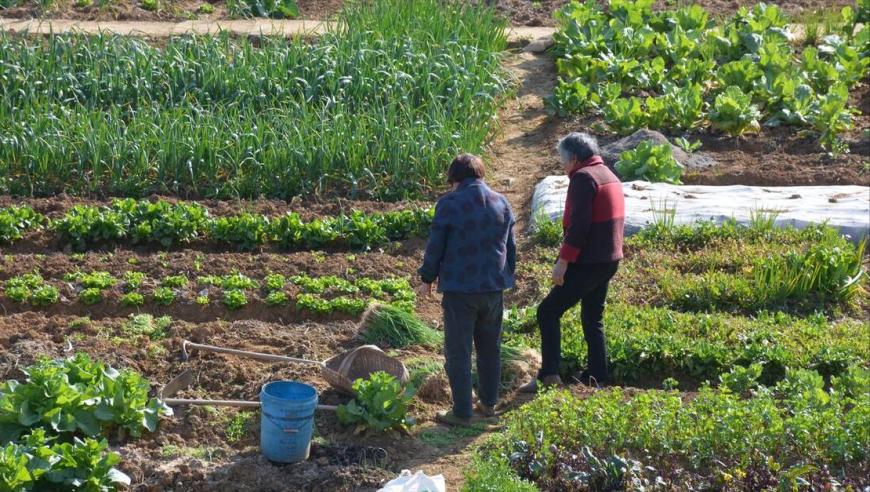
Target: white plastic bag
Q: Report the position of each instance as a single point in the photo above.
(418, 482)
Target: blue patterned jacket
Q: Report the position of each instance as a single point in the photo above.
(471, 248)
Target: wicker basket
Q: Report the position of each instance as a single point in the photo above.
(342, 370)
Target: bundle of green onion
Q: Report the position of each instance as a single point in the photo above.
(390, 326)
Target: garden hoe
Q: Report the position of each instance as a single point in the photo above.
(340, 371)
(186, 378)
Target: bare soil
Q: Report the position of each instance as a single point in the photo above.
(191, 451)
(519, 12)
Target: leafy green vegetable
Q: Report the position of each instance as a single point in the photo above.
(31, 288)
(14, 221)
(639, 68)
(161, 222)
(234, 298)
(734, 113)
(245, 231)
(85, 226)
(238, 281)
(833, 118)
(90, 296)
(275, 9)
(132, 299)
(77, 396)
(715, 431)
(650, 162)
(741, 379)
(95, 280)
(547, 232)
(171, 224)
(380, 404)
(133, 280)
(163, 295)
(276, 298)
(274, 281)
(45, 295)
(175, 281)
(36, 462)
(147, 325)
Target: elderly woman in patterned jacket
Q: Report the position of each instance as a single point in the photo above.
(472, 254)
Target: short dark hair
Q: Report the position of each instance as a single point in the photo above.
(579, 145)
(465, 166)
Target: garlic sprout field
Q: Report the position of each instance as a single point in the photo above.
(217, 117)
(274, 195)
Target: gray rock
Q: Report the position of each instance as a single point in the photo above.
(700, 161)
(610, 152)
(539, 45)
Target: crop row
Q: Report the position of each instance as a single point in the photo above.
(375, 107)
(799, 433)
(172, 224)
(682, 70)
(647, 345)
(316, 295)
(806, 270)
(693, 301)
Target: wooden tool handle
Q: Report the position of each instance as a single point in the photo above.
(244, 353)
(227, 403)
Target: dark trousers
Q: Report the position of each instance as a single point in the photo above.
(472, 318)
(586, 284)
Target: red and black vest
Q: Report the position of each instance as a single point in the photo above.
(594, 215)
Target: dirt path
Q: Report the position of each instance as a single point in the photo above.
(522, 154)
(517, 35)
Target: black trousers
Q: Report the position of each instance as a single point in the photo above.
(472, 319)
(586, 284)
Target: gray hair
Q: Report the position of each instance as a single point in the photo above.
(577, 145)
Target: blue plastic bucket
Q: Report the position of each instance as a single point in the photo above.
(286, 420)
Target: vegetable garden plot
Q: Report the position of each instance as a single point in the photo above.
(201, 448)
(374, 108)
(798, 433)
(681, 71)
(220, 447)
(692, 302)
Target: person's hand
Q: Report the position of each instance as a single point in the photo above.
(424, 289)
(559, 270)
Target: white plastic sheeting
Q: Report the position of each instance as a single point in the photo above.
(844, 207)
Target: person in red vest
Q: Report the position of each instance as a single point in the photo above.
(588, 259)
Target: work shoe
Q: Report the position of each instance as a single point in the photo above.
(447, 417)
(533, 386)
(485, 410)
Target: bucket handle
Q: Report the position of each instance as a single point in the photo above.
(288, 430)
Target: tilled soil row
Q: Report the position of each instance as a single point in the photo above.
(54, 266)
